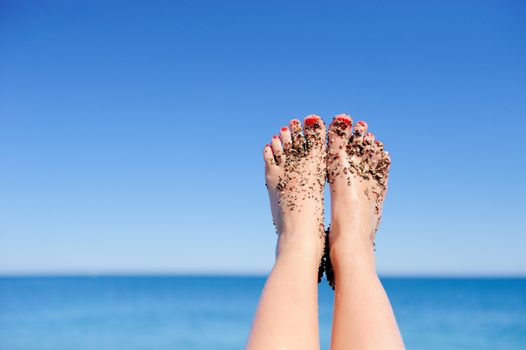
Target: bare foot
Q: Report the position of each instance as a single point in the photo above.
(295, 172)
(357, 170)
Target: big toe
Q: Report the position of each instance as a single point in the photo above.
(299, 145)
(339, 133)
(314, 132)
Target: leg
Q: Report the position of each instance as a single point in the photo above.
(357, 171)
(287, 315)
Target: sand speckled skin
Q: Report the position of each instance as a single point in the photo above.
(296, 175)
(355, 162)
(298, 164)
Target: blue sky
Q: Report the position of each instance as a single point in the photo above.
(131, 131)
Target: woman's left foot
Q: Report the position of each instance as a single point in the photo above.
(295, 173)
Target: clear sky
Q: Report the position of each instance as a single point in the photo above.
(131, 132)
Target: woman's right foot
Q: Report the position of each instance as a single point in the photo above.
(357, 170)
(295, 173)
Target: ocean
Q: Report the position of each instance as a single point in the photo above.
(215, 313)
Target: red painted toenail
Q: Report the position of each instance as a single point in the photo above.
(377, 142)
(275, 136)
(295, 122)
(284, 128)
(369, 134)
(313, 119)
(362, 123)
(345, 120)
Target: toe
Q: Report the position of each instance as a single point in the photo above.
(384, 163)
(268, 156)
(381, 171)
(360, 129)
(369, 138)
(368, 143)
(378, 146)
(286, 139)
(277, 148)
(339, 132)
(298, 139)
(314, 132)
(377, 155)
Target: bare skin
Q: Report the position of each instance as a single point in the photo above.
(357, 168)
(295, 172)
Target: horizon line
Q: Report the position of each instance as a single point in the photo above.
(249, 275)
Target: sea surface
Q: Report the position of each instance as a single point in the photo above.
(215, 313)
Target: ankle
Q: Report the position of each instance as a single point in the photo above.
(305, 244)
(348, 252)
(306, 259)
(354, 223)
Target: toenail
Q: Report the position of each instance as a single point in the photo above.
(369, 134)
(345, 120)
(284, 128)
(311, 120)
(362, 123)
(295, 122)
(275, 136)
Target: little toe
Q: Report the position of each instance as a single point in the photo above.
(268, 156)
(298, 139)
(286, 139)
(381, 171)
(377, 154)
(384, 163)
(277, 148)
(339, 133)
(314, 132)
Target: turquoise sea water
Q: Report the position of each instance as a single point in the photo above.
(215, 312)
